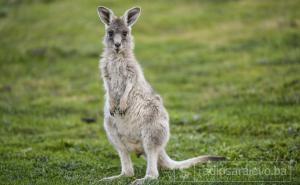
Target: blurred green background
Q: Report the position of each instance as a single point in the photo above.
(228, 71)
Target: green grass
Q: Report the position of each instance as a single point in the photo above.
(228, 71)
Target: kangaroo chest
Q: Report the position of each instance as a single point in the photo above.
(117, 78)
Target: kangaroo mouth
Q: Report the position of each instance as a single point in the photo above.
(117, 50)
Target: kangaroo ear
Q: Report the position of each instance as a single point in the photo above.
(131, 15)
(106, 15)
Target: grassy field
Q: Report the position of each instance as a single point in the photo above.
(228, 70)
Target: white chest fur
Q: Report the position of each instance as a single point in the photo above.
(116, 70)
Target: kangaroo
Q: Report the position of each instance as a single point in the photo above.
(135, 118)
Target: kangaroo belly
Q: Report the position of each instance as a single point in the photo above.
(132, 146)
(129, 134)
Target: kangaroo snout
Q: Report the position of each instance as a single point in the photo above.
(117, 44)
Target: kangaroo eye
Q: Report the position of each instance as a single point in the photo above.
(124, 33)
(110, 33)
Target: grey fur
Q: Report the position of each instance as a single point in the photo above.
(135, 118)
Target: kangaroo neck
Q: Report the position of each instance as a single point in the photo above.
(123, 55)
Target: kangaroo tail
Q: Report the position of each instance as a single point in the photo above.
(166, 162)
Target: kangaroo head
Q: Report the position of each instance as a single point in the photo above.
(118, 29)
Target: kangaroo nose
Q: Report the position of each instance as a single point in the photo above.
(117, 44)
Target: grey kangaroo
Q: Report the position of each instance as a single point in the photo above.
(135, 118)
